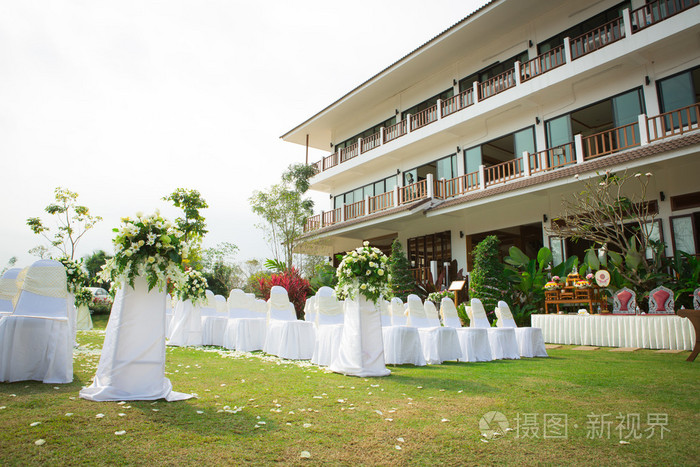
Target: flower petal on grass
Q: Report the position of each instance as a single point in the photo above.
(122, 414)
(100, 415)
(624, 442)
(120, 432)
(69, 414)
(397, 447)
(444, 420)
(200, 412)
(40, 442)
(35, 423)
(305, 455)
(400, 440)
(306, 425)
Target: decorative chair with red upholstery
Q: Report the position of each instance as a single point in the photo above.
(661, 301)
(624, 302)
(696, 298)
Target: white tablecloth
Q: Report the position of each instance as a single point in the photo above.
(645, 331)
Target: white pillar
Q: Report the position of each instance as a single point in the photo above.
(396, 196)
(526, 163)
(366, 205)
(408, 123)
(482, 178)
(578, 148)
(439, 109)
(381, 135)
(567, 49)
(359, 146)
(516, 65)
(643, 130)
(461, 167)
(627, 19)
(475, 87)
(342, 213)
(430, 186)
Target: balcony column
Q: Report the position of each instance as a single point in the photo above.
(321, 223)
(567, 49)
(627, 20)
(461, 166)
(482, 177)
(342, 213)
(526, 164)
(578, 148)
(643, 130)
(367, 206)
(408, 123)
(475, 94)
(396, 196)
(516, 68)
(381, 135)
(430, 186)
(359, 146)
(438, 109)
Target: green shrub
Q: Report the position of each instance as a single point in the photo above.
(402, 281)
(487, 281)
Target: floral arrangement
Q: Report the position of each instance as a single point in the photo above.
(556, 279)
(436, 297)
(150, 247)
(75, 277)
(365, 270)
(101, 304)
(582, 284)
(552, 285)
(83, 297)
(193, 288)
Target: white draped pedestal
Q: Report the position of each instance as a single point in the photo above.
(132, 365)
(84, 321)
(186, 325)
(645, 331)
(361, 350)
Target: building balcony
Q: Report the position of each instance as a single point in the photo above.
(646, 131)
(521, 80)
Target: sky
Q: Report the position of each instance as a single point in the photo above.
(124, 101)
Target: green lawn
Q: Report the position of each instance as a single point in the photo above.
(257, 409)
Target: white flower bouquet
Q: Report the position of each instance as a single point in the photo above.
(83, 297)
(150, 247)
(365, 270)
(193, 288)
(75, 277)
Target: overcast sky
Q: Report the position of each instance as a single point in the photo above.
(123, 101)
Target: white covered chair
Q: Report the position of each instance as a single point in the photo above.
(286, 336)
(530, 340)
(246, 327)
(384, 312)
(310, 309)
(214, 320)
(329, 326)
(221, 306)
(696, 298)
(8, 291)
(661, 301)
(186, 326)
(36, 340)
(504, 344)
(438, 343)
(474, 342)
(401, 343)
(431, 313)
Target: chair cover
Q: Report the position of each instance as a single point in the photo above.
(245, 328)
(474, 342)
(214, 320)
(36, 341)
(84, 321)
(661, 301)
(132, 364)
(8, 290)
(186, 329)
(361, 351)
(287, 337)
(329, 329)
(385, 312)
(504, 344)
(530, 340)
(310, 309)
(401, 342)
(398, 316)
(438, 343)
(624, 302)
(431, 313)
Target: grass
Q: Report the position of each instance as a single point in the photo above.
(432, 413)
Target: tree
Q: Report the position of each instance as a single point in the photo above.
(73, 221)
(10, 263)
(402, 281)
(40, 251)
(190, 201)
(487, 281)
(284, 210)
(220, 270)
(616, 218)
(93, 265)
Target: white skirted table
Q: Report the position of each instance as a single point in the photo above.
(645, 331)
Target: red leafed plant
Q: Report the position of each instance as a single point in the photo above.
(297, 288)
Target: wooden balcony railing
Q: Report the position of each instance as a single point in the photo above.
(354, 210)
(445, 189)
(348, 152)
(413, 192)
(394, 131)
(598, 38)
(331, 217)
(675, 122)
(497, 84)
(381, 202)
(456, 103)
(610, 141)
(552, 158)
(330, 161)
(542, 63)
(422, 276)
(312, 223)
(370, 142)
(503, 172)
(424, 117)
(657, 11)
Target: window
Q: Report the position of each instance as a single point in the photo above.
(435, 247)
(676, 92)
(366, 133)
(427, 103)
(492, 70)
(684, 233)
(372, 189)
(500, 150)
(556, 245)
(445, 167)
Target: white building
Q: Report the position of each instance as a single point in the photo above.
(481, 130)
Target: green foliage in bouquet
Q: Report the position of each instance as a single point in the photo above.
(193, 288)
(75, 276)
(365, 270)
(83, 297)
(150, 247)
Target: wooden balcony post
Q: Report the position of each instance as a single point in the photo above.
(578, 148)
(430, 186)
(567, 49)
(482, 177)
(627, 20)
(381, 135)
(475, 94)
(526, 164)
(516, 67)
(643, 130)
